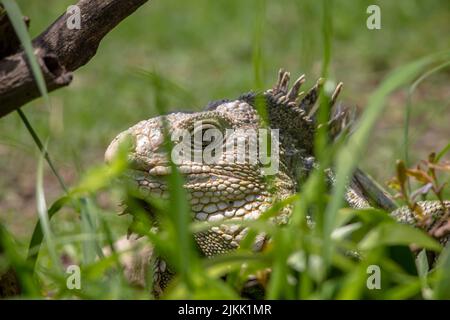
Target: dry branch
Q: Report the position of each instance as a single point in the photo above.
(60, 51)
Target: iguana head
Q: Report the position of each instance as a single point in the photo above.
(229, 184)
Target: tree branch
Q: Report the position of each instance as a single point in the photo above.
(9, 42)
(60, 50)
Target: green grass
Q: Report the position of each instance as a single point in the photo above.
(174, 55)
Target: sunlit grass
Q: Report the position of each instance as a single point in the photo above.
(306, 263)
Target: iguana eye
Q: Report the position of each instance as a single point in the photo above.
(199, 138)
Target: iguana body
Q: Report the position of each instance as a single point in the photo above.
(224, 191)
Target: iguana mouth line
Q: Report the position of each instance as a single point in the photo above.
(198, 173)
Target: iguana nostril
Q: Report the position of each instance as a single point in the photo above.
(138, 164)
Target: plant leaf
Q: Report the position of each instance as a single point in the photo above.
(392, 233)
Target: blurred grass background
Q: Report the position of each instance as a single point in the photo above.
(206, 47)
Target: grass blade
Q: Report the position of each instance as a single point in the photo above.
(442, 289)
(411, 90)
(38, 236)
(42, 149)
(15, 15)
(42, 212)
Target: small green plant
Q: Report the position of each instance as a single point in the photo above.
(331, 260)
(413, 184)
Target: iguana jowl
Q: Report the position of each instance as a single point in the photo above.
(234, 191)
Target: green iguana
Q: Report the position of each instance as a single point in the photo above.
(224, 191)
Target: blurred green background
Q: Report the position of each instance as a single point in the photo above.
(207, 47)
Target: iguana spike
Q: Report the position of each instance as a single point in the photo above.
(299, 98)
(307, 103)
(293, 93)
(340, 121)
(282, 81)
(336, 93)
(276, 87)
(285, 82)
